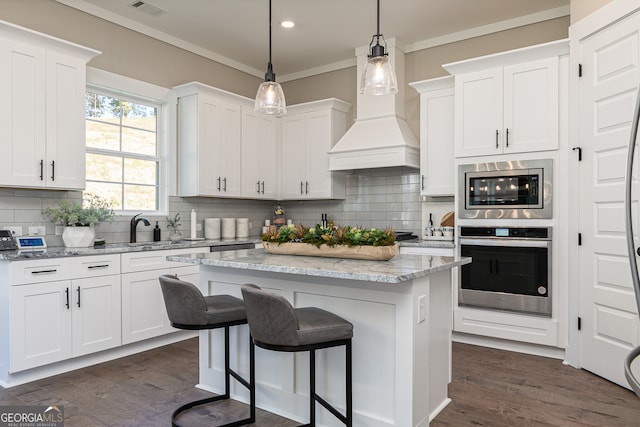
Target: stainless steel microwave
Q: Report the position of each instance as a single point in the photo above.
(517, 189)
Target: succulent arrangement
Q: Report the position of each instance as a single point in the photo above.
(330, 236)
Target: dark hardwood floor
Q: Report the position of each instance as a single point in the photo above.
(490, 388)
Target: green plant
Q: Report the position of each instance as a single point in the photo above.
(92, 212)
(331, 236)
(174, 223)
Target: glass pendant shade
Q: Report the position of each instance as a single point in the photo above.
(270, 99)
(378, 77)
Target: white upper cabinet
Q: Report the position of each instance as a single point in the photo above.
(508, 102)
(259, 155)
(436, 136)
(309, 131)
(209, 141)
(42, 86)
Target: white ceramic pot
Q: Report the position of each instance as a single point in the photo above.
(78, 237)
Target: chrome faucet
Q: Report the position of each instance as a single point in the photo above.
(134, 224)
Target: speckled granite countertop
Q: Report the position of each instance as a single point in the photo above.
(118, 248)
(399, 269)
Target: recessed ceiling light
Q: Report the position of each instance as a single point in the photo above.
(287, 24)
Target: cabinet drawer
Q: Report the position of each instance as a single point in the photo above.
(38, 271)
(94, 266)
(154, 260)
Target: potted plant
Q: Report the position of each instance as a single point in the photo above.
(80, 219)
(334, 242)
(172, 225)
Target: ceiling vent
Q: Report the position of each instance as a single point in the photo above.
(147, 8)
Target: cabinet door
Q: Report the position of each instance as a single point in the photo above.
(259, 169)
(96, 314)
(229, 148)
(293, 173)
(206, 155)
(436, 143)
(65, 135)
(479, 113)
(531, 106)
(318, 137)
(143, 311)
(40, 324)
(22, 114)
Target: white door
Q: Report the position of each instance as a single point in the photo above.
(479, 100)
(611, 73)
(531, 106)
(96, 314)
(40, 324)
(65, 146)
(294, 169)
(143, 311)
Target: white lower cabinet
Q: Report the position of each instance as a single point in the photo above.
(144, 314)
(56, 315)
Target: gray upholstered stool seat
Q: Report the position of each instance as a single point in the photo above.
(187, 308)
(276, 325)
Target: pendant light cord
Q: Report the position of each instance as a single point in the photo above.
(270, 32)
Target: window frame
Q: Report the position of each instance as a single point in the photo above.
(114, 85)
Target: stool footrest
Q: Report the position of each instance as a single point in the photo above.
(330, 408)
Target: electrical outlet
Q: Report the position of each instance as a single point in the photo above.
(37, 230)
(198, 227)
(15, 230)
(59, 230)
(422, 308)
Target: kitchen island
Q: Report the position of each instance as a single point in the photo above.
(401, 311)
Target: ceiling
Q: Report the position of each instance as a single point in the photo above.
(235, 32)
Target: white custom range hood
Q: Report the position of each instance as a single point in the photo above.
(380, 136)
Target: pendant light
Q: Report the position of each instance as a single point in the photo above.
(270, 98)
(378, 77)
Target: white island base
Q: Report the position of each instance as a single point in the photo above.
(401, 341)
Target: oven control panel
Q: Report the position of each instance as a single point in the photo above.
(507, 232)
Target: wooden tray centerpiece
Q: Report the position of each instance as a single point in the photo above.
(335, 242)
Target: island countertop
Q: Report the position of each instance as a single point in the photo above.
(401, 268)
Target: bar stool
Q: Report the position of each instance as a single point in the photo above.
(276, 325)
(189, 309)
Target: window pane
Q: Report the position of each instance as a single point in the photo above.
(104, 168)
(102, 107)
(138, 171)
(138, 141)
(102, 135)
(139, 197)
(139, 116)
(110, 192)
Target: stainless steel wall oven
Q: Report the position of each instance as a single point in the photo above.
(511, 269)
(516, 189)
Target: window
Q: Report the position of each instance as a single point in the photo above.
(123, 162)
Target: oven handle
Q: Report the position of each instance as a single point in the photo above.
(506, 242)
